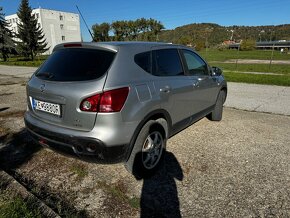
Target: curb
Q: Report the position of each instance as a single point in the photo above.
(15, 186)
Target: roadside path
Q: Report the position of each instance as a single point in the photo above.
(260, 98)
(251, 97)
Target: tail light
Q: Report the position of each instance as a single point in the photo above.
(109, 101)
(68, 45)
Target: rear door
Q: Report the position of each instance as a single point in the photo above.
(173, 87)
(205, 87)
(68, 76)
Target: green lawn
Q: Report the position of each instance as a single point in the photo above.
(257, 78)
(216, 55)
(233, 73)
(20, 61)
(14, 207)
(265, 68)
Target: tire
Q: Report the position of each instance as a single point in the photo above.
(217, 113)
(148, 150)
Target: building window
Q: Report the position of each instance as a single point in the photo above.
(60, 17)
(61, 26)
(37, 15)
(63, 38)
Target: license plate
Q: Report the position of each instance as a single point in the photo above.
(46, 107)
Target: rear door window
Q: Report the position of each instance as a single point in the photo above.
(166, 62)
(76, 64)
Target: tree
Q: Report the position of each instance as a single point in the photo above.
(248, 45)
(142, 29)
(101, 32)
(118, 29)
(185, 40)
(7, 44)
(156, 27)
(31, 37)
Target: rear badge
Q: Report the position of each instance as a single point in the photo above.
(42, 87)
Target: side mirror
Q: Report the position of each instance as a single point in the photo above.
(216, 71)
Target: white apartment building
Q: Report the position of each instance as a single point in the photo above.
(57, 26)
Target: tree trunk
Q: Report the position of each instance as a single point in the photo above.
(4, 55)
(32, 55)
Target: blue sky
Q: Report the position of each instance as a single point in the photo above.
(171, 13)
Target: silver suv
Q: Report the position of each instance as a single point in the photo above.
(120, 101)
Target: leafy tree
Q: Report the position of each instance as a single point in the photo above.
(156, 27)
(7, 44)
(31, 37)
(101, 32)
(248, 45)
(184, 40)
(140, 29)
(118, 29)
(199, 45)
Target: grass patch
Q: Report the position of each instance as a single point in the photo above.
(58, 201)
(216, 55)
(20, 61)
(275, 68)
(134, 202)
(80, 170)
(257, 78)
(118, 193)
(17, 207)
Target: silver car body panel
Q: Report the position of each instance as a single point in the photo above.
(180, 97)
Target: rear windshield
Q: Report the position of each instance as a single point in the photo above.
(76, 64)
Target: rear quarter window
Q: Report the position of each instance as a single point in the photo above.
(76, 64)
(143, 60)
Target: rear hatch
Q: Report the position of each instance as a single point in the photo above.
(71, 74)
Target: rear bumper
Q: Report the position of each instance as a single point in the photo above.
(86, 148)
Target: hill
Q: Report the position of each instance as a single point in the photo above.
(211, 34)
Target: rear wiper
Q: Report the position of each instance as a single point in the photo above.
(47, 75)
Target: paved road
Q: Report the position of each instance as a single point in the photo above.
(260, 98)
(252, 97)
(15, 71)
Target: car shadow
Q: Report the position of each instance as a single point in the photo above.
(159, 197)
(16, 149)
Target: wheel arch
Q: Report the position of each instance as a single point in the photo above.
(225, 89)
(162, 118)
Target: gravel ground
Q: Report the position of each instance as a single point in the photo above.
(238, 167)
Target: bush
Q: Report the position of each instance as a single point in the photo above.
(248, 45)
(199, 45)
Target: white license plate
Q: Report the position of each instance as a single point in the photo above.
(46, 107)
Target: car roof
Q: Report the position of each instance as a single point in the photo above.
(117, 45)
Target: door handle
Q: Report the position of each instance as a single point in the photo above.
(166, 89)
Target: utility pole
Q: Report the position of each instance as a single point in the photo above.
(236, 67)
(271, 56)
